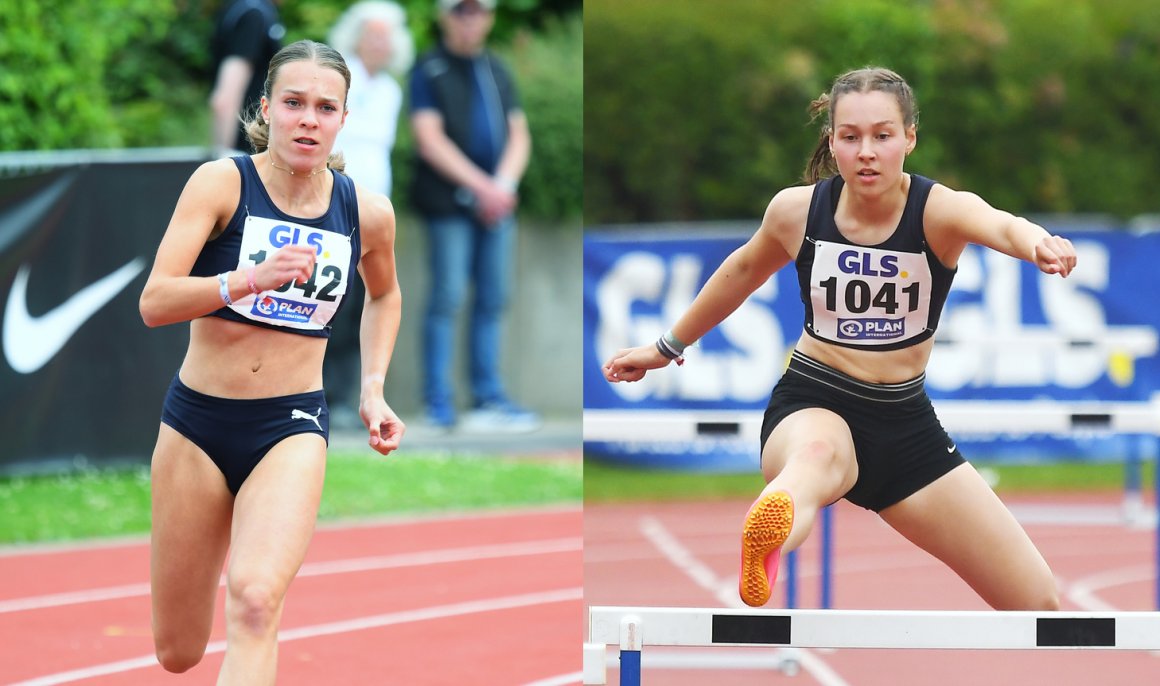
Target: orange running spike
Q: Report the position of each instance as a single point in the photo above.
(767, 525)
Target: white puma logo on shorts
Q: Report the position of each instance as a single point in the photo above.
(299, 414)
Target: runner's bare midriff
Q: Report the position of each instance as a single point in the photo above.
(871, 366)
(233, 360)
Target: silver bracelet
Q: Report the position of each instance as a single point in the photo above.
(224, 287)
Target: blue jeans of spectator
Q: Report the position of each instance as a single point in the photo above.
(462, 250)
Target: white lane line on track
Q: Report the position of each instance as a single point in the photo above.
(363, 564)
(722, 589)
(684, 559)
(849, 562)
(1083, 591)
(329, 629)
(1075, 514)
(446, 515)
(561, 680)
(93, 595)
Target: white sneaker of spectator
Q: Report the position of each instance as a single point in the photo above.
(501, 416)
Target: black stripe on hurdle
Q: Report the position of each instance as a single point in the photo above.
(1063, 632)
(762, 629)
(718, 428)
(1093, 420)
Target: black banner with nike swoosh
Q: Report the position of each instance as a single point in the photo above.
(81, 377)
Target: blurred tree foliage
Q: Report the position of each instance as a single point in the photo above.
(698, 111)
(55, 61)
(137, 73)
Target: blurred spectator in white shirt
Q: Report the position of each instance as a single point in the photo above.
(373, 37)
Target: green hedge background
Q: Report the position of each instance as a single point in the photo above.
(137, 73)
(648, 110)
(697, 110)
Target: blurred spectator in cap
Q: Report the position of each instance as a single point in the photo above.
(473, 146)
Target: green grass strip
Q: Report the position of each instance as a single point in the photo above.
(362, 485)
(605, 482)
(102, 503)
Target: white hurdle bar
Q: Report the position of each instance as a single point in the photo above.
(957, 416)
(633, 628)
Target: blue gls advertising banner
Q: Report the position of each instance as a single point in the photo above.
(1008, 331)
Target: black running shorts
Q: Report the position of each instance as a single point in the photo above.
(237, 434)
(898, 441)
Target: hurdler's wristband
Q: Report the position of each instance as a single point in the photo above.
(668, 350)
(674, 343)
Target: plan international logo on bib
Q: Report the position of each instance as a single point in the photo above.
(284, 310)
(864, 329)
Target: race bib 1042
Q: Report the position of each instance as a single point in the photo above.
(306, 305)
(868, 296)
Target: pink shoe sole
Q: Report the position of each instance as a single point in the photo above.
(767, 525)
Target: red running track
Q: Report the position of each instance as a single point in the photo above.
(478, 598)
(686, 554)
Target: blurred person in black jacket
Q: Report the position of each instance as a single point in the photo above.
(473, 146)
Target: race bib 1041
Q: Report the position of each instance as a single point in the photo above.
(306, 305)
(868, 296)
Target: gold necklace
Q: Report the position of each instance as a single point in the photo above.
(291, 171)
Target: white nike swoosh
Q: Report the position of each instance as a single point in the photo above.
(952, 448)
(30, 342)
